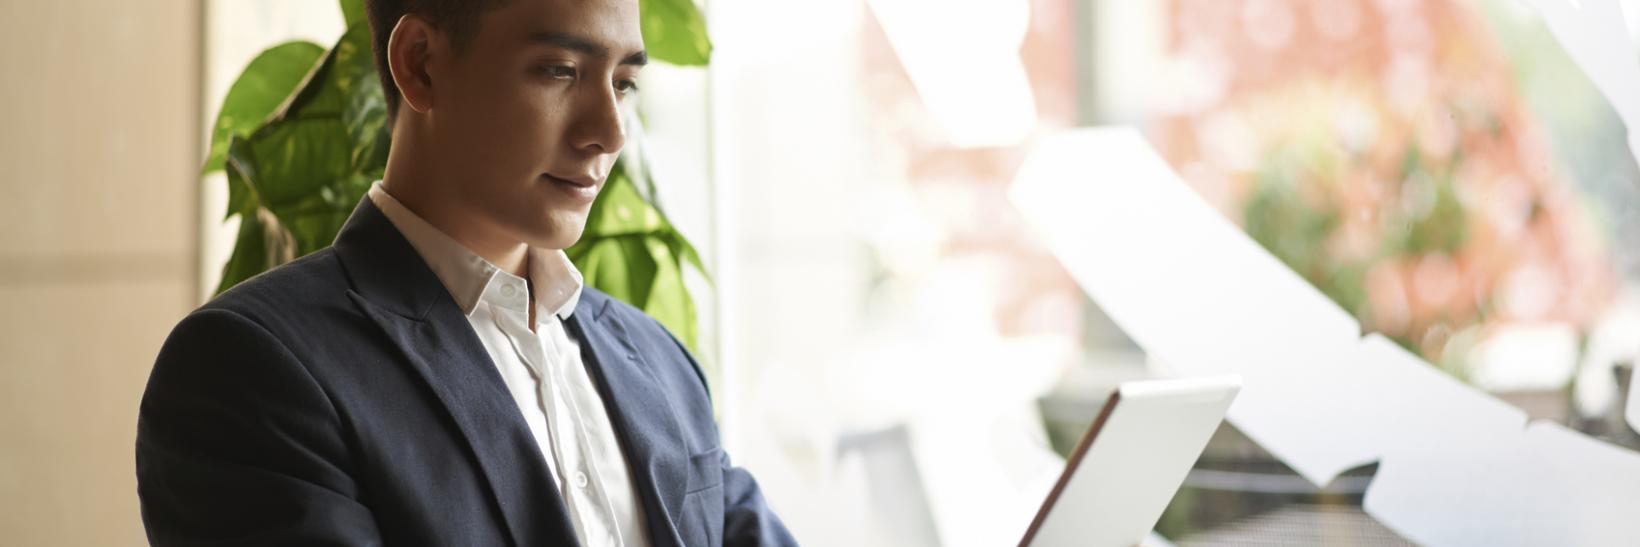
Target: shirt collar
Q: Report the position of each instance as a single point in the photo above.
(471, 279)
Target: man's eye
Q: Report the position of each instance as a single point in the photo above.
(626, 86)
(556, 71)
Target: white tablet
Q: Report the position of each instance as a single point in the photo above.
(1131, 462)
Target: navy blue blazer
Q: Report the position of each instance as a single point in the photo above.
(343, 399)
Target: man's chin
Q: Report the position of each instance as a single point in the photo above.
(560, 235)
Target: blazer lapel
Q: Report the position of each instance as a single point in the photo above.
(394, 287)
(643, 417)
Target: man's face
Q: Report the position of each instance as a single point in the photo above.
(527, 122)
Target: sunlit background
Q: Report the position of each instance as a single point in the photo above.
(897, 356)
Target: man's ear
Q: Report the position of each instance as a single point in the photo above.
(409, 57)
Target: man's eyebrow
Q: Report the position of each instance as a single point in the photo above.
(583, 45)
(640, 58)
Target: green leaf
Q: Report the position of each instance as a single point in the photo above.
(643, 270)
(313, 159)
(250, 256)
(686, 250)
(669, 301)
(241, 196)
(639, 268)
(674, 31)
(262, 243)
(352, 12)
(289, 161)
(632, 252)
(326, 90)
(258, 91)
(365, 113)
(316, 158)
(249, 250)
(621, 210)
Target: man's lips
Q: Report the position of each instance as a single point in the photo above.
(580, 189)
(584, 181)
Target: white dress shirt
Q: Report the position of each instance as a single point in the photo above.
(543, 370)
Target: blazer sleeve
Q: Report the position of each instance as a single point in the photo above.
(238, 445)
(747, 518)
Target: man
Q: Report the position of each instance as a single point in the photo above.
(440, 376)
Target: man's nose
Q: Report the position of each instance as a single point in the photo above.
(597, 127)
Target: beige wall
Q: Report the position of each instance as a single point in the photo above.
(99, 144)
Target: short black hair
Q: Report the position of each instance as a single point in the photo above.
(458, 19)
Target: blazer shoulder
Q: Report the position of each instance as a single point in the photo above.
(290, 299)
(284, 286)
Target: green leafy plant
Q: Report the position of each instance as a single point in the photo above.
(303, 133)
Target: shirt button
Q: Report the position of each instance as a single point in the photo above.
(508, 290)
(580, 479)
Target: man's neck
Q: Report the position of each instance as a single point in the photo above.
(417, 188)
(510, 255)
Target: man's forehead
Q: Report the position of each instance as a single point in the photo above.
(609, 25)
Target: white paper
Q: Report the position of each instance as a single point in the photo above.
(940, 43)
(1416, 410)
(1457, 465)
(1594, 33)
(1547, 485)
(1179, 279)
